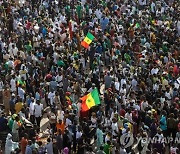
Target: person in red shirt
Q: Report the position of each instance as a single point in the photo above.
(122, 111)
(23, 143)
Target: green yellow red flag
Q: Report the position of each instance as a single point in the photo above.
(90, 100)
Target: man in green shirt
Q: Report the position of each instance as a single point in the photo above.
(79, 11)
(107, 147)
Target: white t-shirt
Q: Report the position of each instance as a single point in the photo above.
(21, 92)
(154, 71)
(61, 115)
(31, 108)
(38, 110)
(142, 2)
(78, 134)
(123, 81)
(134, 83)
(144, 105)
(36, 28)
(68, 122)
(51, 96)
(15, 127)
(13, 52)
(115, 129)
(98, 14)
(173, 150)
(117, 85)
(94, 121)
(153, 7)
(128, 116)
(1, 86)
(107, 138)
(59, 78)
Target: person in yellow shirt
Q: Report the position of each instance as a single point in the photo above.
(18, 106)
(164, 82)
(153, 37)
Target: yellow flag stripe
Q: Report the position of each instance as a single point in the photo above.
(87, 40)
(90, 101)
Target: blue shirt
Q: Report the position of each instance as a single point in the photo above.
(163, 123)
(28, 150)
(104, 22)
(29, 100)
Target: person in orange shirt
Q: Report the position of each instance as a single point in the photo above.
(23, 143)
(60, 126)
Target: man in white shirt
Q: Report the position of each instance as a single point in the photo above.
(13, 84)
(98, 14)
(38, 110)
(51, 97)
(117, 84)
(15, 130)
(123, 81)
(68, 122)
(78, 133)
(144, 105)
(21, 92)
(142, 2)
(153, 7)
(59, 77)
(128, 116)
(134, 83)
(31, 111)
(115, 129)
(13, 52)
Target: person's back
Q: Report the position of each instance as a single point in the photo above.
(15, 130)
(41, 149)
(3, 123)
(53, 85)
(49, 146)
(107, 80)
(28, 148)
(171, 123)
(59, 141)
(24, 143)
(107, 147)
(34, 144)
(163, 123)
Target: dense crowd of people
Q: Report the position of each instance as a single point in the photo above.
(44, 71)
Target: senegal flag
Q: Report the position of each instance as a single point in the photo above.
(88, 39)
(90, 100)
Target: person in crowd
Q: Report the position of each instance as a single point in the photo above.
(24, 142)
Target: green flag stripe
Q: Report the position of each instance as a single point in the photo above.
(95, 96)
(90, 36)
